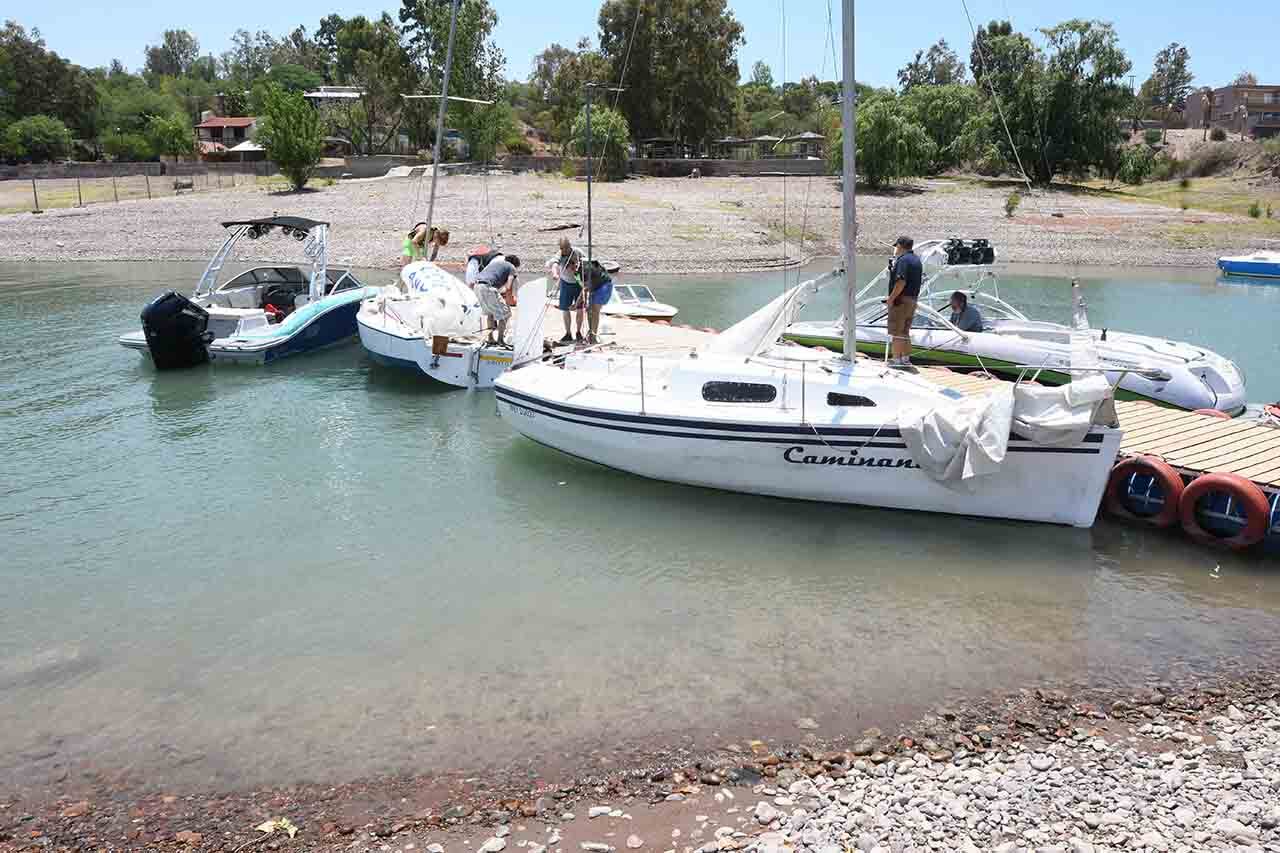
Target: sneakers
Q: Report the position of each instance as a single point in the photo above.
(903, 365)
(567, 339)
(592, 340)
(580, 339)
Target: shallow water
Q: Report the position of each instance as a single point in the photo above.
(324, 569)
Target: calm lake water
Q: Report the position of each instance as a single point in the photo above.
(324, 569)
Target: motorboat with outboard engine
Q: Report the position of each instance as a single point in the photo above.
(260, 315)
(1257, 265)
(1174, 374)
(638, 302)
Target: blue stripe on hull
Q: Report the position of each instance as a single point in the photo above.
(328, 329)
(1250, 269)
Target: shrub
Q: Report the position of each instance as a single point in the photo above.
(1209, 160)
(519, 146)
(569, 168)
(1011, 203)
(1218, 135)
(1166, 168)
(1268, 210)
(1151, 137)
(36, 138)
(1184, 184)
(128, 147)
(1136, 165)
(290, 133)
(1255, 210)
(171, 136)
(1272, 147)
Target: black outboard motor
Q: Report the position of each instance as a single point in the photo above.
(982, 252)
(177, 331)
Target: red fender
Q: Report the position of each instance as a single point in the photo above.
(1116, 500)
(1212, 413)
(1246, 493)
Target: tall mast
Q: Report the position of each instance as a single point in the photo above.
(849, 230)
(590, 87)
(444, 104)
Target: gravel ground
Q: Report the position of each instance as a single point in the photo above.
(647, 224)
(1161, 768)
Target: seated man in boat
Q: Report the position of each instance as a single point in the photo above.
(964, 316)
(422, 240)
(906, 274)
(569, 265)
(491, 283)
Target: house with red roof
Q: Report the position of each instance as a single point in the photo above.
(217, 135)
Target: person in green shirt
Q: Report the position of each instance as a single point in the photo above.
(417, 241)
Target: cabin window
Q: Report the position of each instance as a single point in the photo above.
(738, 392)
(837, 399)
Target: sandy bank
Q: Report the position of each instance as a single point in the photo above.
(649, 225)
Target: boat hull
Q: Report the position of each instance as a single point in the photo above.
(835, 465)
(462, 365)
(1250, 269)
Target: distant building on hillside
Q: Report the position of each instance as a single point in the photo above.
(217, 135)
(1250, 110)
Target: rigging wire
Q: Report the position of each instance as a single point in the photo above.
(982, 57)
(782, 5)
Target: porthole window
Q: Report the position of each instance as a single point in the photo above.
(738, 392)
(837, 399)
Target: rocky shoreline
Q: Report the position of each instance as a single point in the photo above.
(1165, 767)
(658, 225)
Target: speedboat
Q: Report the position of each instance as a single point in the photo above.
(637, 302)
(1257, 265)
(260, 315)
(1175, 374)
(745, 413)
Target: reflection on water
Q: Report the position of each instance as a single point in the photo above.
(324, 569)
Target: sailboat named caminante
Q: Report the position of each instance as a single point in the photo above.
(792, 455)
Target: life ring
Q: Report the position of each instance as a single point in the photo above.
(1212, 413)
(1272, 409)
(1250, 498)
(1167, 479)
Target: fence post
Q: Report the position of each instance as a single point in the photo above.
(79, 195)
(36, 195)
(115, 191)
(147, 178)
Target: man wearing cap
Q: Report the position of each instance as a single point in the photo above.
(905, 274)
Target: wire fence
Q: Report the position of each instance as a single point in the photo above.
(38, 193)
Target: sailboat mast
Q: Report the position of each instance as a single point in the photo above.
(850, 228)
(444, 104)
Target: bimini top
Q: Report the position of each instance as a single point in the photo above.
(295, 223)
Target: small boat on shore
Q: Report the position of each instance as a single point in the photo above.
(638, 302)
(260, 315)
(1257, 265)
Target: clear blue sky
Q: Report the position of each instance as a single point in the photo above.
(1221, 43)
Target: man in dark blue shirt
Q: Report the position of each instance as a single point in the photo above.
(905, 277)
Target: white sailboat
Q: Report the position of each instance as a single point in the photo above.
(746, 414)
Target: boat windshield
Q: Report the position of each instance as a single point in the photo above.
(624, 293)
(643, 293)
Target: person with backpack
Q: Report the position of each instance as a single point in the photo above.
(569, 266)
(599, 286)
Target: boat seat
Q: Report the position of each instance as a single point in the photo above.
(247, 298)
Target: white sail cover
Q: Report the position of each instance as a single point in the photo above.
(441, 304)
(955, 443)
(531, 308)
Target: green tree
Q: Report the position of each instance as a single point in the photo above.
(1062, 105)
(290, 132)
(761, 75)
(1245, 78)
(294, 78)
(890, 145)
(37, 139)
(609, 139)
(174, 56)
(370, 56)
(36, 81)
(983, 55)
(477, 61)
(680, 59)
(951, 115)
(485, 127)
(127, 147)
(939, 66)
(1171, 81)
(172, 136)
(560, 76)
(249, 57)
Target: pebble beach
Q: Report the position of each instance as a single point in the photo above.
(659, 225)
